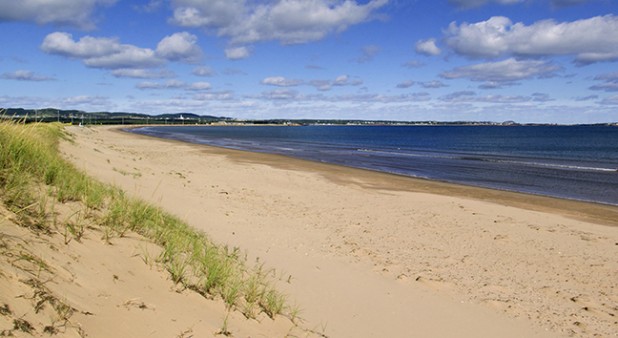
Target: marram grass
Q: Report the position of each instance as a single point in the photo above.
(33, 173)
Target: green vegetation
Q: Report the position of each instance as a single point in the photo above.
(89, 118)
(34, 178)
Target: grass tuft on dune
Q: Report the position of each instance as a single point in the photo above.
(34, 178)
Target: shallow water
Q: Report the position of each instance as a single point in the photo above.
(574, 162)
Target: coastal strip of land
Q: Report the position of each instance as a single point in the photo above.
(366, 254)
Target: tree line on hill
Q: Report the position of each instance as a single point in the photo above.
(89, 118)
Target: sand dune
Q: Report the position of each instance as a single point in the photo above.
(370, 255)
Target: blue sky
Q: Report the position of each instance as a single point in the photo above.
(550, 61)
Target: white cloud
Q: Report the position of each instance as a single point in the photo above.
(368, 98)
(237, 53)
(100, 52)
(127, 57)
(171, 84)
(322, 85)
(433, 84)
(290, 21)
(179, 47)
(64, 12)
(345, 80)
(589, 40)
(281, 81)
(207, 13)
(109, 53)
(506, 72)
(141, 73)
(427, 47)
(319, 84)
(174, 84)
(199, 86)
(281, 94)
(405, 84)
(215, 96)
(87, 47)
(25, 75)
(340, 81)
(86, 100)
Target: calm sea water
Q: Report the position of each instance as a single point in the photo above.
(574, 162)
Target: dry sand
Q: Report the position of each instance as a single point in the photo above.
(89, 288)
(365, 254)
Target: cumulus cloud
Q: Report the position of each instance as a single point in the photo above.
(588, 40)
(427, 47)
(141, 73)
(291, 21)
(179, 47)
(64, 12)
(100, 52)
(506, 72)
(87, 47)
(109, 53)
(281, 81)
(25, 75)
(237, 53)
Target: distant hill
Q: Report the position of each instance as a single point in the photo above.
(78, 116)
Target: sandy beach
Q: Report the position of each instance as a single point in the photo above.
(366, 254)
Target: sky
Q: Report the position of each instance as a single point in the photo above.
(529, 61)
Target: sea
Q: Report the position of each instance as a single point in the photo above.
(570, 162)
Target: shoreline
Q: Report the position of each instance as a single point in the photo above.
(600, 213)
(370, 254)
